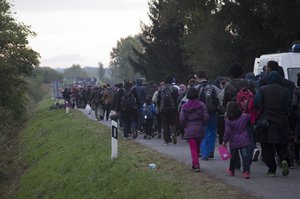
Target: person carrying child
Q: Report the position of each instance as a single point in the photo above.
(193, 118)
(148, 113)
(237, 126)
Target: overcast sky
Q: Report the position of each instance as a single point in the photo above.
(79, 31)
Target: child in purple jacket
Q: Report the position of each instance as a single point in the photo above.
(237, 125)
(193, 117)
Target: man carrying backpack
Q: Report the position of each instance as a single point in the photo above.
(129, 111)
(241, 91)
(208, 94)
(166, 102)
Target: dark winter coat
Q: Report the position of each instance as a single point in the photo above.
(274, 101)
(174, 94)
(296, 113)
(140, 91)
(117, 99)
(193, 118)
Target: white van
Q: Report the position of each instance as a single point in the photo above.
(290, 62)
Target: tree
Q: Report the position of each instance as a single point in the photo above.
(162, 53)
(16, 59)
(219, 33)
(74, 71)
(121, 57)
(46, 75)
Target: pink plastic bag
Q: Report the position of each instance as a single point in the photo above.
(224, 153)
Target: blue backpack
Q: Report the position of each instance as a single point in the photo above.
(147, 112)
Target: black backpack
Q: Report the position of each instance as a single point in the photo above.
(128, 102)
(208, 96)
(167, 103)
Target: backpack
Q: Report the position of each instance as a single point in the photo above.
(147, 112)
(208, 96)
(245, 99)
(167, 103)
(128, 102)
(108, 95)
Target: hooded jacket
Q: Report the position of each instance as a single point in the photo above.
(193, 118)
(237, 132)
(274, 101)
(140, 91)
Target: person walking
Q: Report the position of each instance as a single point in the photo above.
(108, 95)
(238, 134)
(148, 113)
(166, 101)
(296, 120)
(193, 118)
(208, 94)
(274, 102)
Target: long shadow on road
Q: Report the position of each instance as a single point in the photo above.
(278, 187)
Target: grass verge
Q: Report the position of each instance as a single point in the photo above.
(68, 156)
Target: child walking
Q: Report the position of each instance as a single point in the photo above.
(237, 133)
(193, 118)
(148, 112)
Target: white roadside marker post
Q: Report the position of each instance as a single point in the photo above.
(114, 140)
(67, 107)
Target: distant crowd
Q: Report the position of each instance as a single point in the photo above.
(241, 110)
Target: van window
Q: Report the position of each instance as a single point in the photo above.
(292, 74)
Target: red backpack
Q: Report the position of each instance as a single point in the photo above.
(245, 99)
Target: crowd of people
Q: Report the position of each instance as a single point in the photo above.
(241, 111)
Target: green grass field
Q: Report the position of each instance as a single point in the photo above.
(68, 157)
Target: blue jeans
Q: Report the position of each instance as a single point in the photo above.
(208, 143)
(246, 153)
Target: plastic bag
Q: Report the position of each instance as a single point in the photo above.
(88, 109)
(224, 152)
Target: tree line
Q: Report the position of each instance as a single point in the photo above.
(189, 35)
(20, 80)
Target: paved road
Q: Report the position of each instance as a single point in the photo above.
(259, 186)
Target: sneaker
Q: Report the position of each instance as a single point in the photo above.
(270, 174)
(246, 175)
(230, 173)
(256, 154)
(126, 138)
(285, 168)
(145, 136)
(166, 143)
(159, 135)
(174, 140)
(196, 168)
(211, 155)
(203, 158)
(149, 137)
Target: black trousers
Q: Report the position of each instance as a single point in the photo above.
(220, 127)
(268, 154)
(148, 127)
